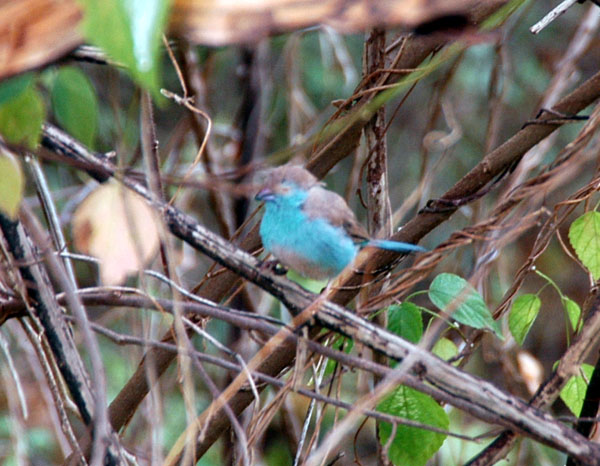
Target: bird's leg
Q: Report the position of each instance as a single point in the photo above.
(274, 266)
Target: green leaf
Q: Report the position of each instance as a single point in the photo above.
(21, 118)
(445, 349)
(405, 320)
(75, 104)
(584, 235)
(455, 296)
(573, 393)
(412, 446)
(11, 88)
(522, 315)
(573, 313)
(11, 184)
(130, 32)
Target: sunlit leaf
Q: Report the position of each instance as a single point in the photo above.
(522, 315)
(455, 296)
(405, 320)
(21, 118)
(11, 184)
(573, 393)
(584, 235)
(130, 32)
(445, 349)
(116, 226)
(573, 312)
(75, 104)
(412, 446)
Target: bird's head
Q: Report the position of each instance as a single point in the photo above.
(285, 181)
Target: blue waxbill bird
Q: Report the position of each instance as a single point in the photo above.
(310, 229)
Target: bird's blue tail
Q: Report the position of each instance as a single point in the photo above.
(395, 246)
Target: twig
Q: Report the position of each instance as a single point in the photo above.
(552, 15)
(50, 212)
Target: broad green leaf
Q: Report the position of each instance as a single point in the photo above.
(522, 315)
(455, 296)
(573, 313)
(21, 118)
(130, 32)
(405, 320)
(11, 88)
(75, 104)
(445, 349)
(584, 235)
(573, 393)
(412, 446)
(11, 184)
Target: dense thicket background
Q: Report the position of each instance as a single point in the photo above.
(269, 102)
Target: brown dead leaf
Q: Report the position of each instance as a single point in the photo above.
(37, 32)
(219, 22)
(119, 228)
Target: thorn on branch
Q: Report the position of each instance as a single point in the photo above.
(560, 118)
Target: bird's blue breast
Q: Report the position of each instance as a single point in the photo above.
(313, 247)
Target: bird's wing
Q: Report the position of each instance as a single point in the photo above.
(328, 205)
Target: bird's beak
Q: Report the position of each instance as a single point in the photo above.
(265, 194)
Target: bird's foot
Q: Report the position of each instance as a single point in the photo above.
(273, 266)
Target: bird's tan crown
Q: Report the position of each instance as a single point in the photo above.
(291, 174)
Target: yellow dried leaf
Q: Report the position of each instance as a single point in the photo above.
(11, 184)
(119, 228)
